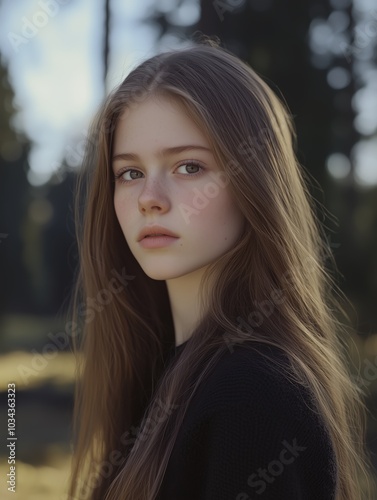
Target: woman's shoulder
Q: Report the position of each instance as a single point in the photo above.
(247, 374)
(250, 413)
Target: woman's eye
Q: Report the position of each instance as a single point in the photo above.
(188, 166)
(121, 176)
(130, 171)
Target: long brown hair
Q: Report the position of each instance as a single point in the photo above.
(272, 287)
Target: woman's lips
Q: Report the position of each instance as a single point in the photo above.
(157, 241)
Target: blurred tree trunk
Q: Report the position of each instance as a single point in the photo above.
(106, 44)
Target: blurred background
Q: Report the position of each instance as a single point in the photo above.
(58, 59)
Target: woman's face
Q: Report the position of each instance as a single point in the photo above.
(164, 188)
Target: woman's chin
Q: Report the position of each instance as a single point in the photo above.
(165, 274)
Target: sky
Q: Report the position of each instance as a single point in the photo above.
(53, 50)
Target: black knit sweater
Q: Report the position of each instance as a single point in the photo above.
(250, 433)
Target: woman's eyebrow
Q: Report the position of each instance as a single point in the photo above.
(162, 152)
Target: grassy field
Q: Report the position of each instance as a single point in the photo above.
(44, 376)
(42, 482)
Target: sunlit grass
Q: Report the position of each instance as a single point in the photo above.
(32, 361)
(29, 370)
(45, 482)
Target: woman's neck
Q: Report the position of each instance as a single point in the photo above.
(184, 295)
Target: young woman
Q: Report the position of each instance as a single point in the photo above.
(211, 365)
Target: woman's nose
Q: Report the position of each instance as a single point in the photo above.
(154, 196)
